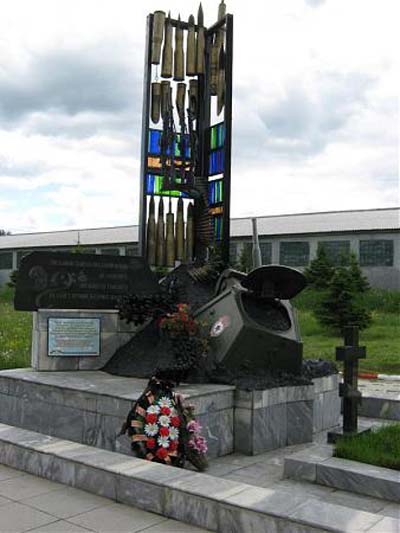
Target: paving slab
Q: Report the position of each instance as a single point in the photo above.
(17, 518)
(116, 518)
(61, 526)
(26, 486)
(66, 502)
(386, 525)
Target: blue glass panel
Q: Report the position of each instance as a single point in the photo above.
(155, 146)
(216, 162)
(218, 227)
(154, 142)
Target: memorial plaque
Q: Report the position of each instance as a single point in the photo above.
(73, 336)
(55, 280)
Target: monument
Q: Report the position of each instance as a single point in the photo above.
(252, 336)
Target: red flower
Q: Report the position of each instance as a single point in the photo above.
(173, 445)
(165, 410)
(162, 453)
(151, 444)
(164, 432)
(151, 418)
(175, 421)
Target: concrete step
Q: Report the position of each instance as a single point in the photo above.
(319, 466)
(198, 499)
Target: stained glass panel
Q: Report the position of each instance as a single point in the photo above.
(154, 185)
(218, 227)
(217, 136)
(155, 144)
(216, 210)
(215, 192)
(216, 162)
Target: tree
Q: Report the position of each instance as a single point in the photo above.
(3, 232)
(359, 281)
(245, 263)
(342, 304)
(320, 271)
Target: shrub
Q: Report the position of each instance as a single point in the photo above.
(342, 304)
(320, 271)
(13, 279)
(358, 280)
(245, 263)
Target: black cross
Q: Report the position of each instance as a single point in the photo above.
(350, 353)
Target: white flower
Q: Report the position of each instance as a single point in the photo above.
(164, 420)
(163, 441)
(173, 433)
(164, 402)
(153, 409)
(151, 429)
(174, 412)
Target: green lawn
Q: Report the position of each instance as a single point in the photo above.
(380, 447)
(381, 339)
(15, 333)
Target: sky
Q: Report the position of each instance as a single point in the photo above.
(315, 107)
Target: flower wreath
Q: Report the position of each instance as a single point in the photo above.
(162, 430)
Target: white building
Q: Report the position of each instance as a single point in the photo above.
(373, 235)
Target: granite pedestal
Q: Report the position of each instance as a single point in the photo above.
(90, 407)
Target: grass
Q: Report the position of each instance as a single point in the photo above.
(15, 333)
(379, 447)
(381, 339)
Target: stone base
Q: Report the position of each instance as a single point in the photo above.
(283, 416)
(114, 333)
(90, 407)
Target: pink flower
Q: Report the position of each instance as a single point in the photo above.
(193, 426)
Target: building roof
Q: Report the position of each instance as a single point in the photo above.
(325, 222)
(387, 219)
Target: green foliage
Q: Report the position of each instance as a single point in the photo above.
(13, 279)
(382, 300)
(342, 288)
(15, 333)
(245, 263)
(320, 271)
(380, 447)
(342, 305)
(358, 280)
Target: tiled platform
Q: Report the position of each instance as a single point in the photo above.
(227, 499)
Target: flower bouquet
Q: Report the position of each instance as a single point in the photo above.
(163, 430)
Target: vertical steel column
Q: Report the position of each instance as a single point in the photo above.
(145, 137)
(228, 138)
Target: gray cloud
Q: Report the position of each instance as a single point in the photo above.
(72, 82)
(303, 122)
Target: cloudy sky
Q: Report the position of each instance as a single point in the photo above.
(315, 107)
